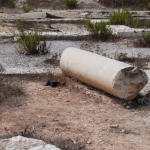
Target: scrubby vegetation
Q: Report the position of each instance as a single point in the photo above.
(120, 17)
(148, 6)
(26, 8)
(29, 42)
(100, 30)
(125, 3)
(53, 4)
(71, 3)
(146, 38)
(7, 3)
(124, 17)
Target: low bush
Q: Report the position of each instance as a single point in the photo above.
(143, 41)
(146, 38)
(29, 42)
(127, 3)
(7, 3)
(100, 30)
(120, 17)
(123, 3)
(57, 8)
(111, 56)
(26, 8)
(124, 17)
(71, 3)
(148, 6)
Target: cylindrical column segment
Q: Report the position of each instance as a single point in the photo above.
(114, 77)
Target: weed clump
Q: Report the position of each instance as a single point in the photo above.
(100, 30)
(148, 6)
(71, 3)
(124, 3)
(26, 8)
(146, 38)
(29, 42)
(120, 17)
(143, 41)
(124, 17)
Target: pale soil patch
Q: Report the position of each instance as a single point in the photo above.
(7, 29)
(75, 114)
(3, 15)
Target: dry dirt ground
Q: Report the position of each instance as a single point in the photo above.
(72, 117)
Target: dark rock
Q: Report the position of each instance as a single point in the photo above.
(54, 84)
(51, 16)
(139, 100)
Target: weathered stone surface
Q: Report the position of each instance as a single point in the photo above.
(23, 143)
(114, 77)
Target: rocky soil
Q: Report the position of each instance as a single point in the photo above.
(73, 116)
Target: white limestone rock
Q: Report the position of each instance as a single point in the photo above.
(23, 143)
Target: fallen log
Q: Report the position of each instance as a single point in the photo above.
(117, 78)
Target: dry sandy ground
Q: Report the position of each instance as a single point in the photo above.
(72, 117)
(7, 29)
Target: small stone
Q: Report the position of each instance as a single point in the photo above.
(102, 110)
(114, 126)
(41, 125)
(95, 95)
(123, 130)
(84, 13)
(89, 142)
(88, 93)
(128, 107)
(90, 131)
(85, 125)
(18, 105)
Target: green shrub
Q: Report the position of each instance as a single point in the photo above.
(57, 8)
(146, 38)
(114, 55)
(148, 6)
(26, 8)
(146, 1)
(124, 17)
(7, 3)
(123, 3)
(136, 23)
(29, 42)
(100, 29)
(71, 3)
(120, 17)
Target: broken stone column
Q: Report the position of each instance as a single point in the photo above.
(117, 78)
